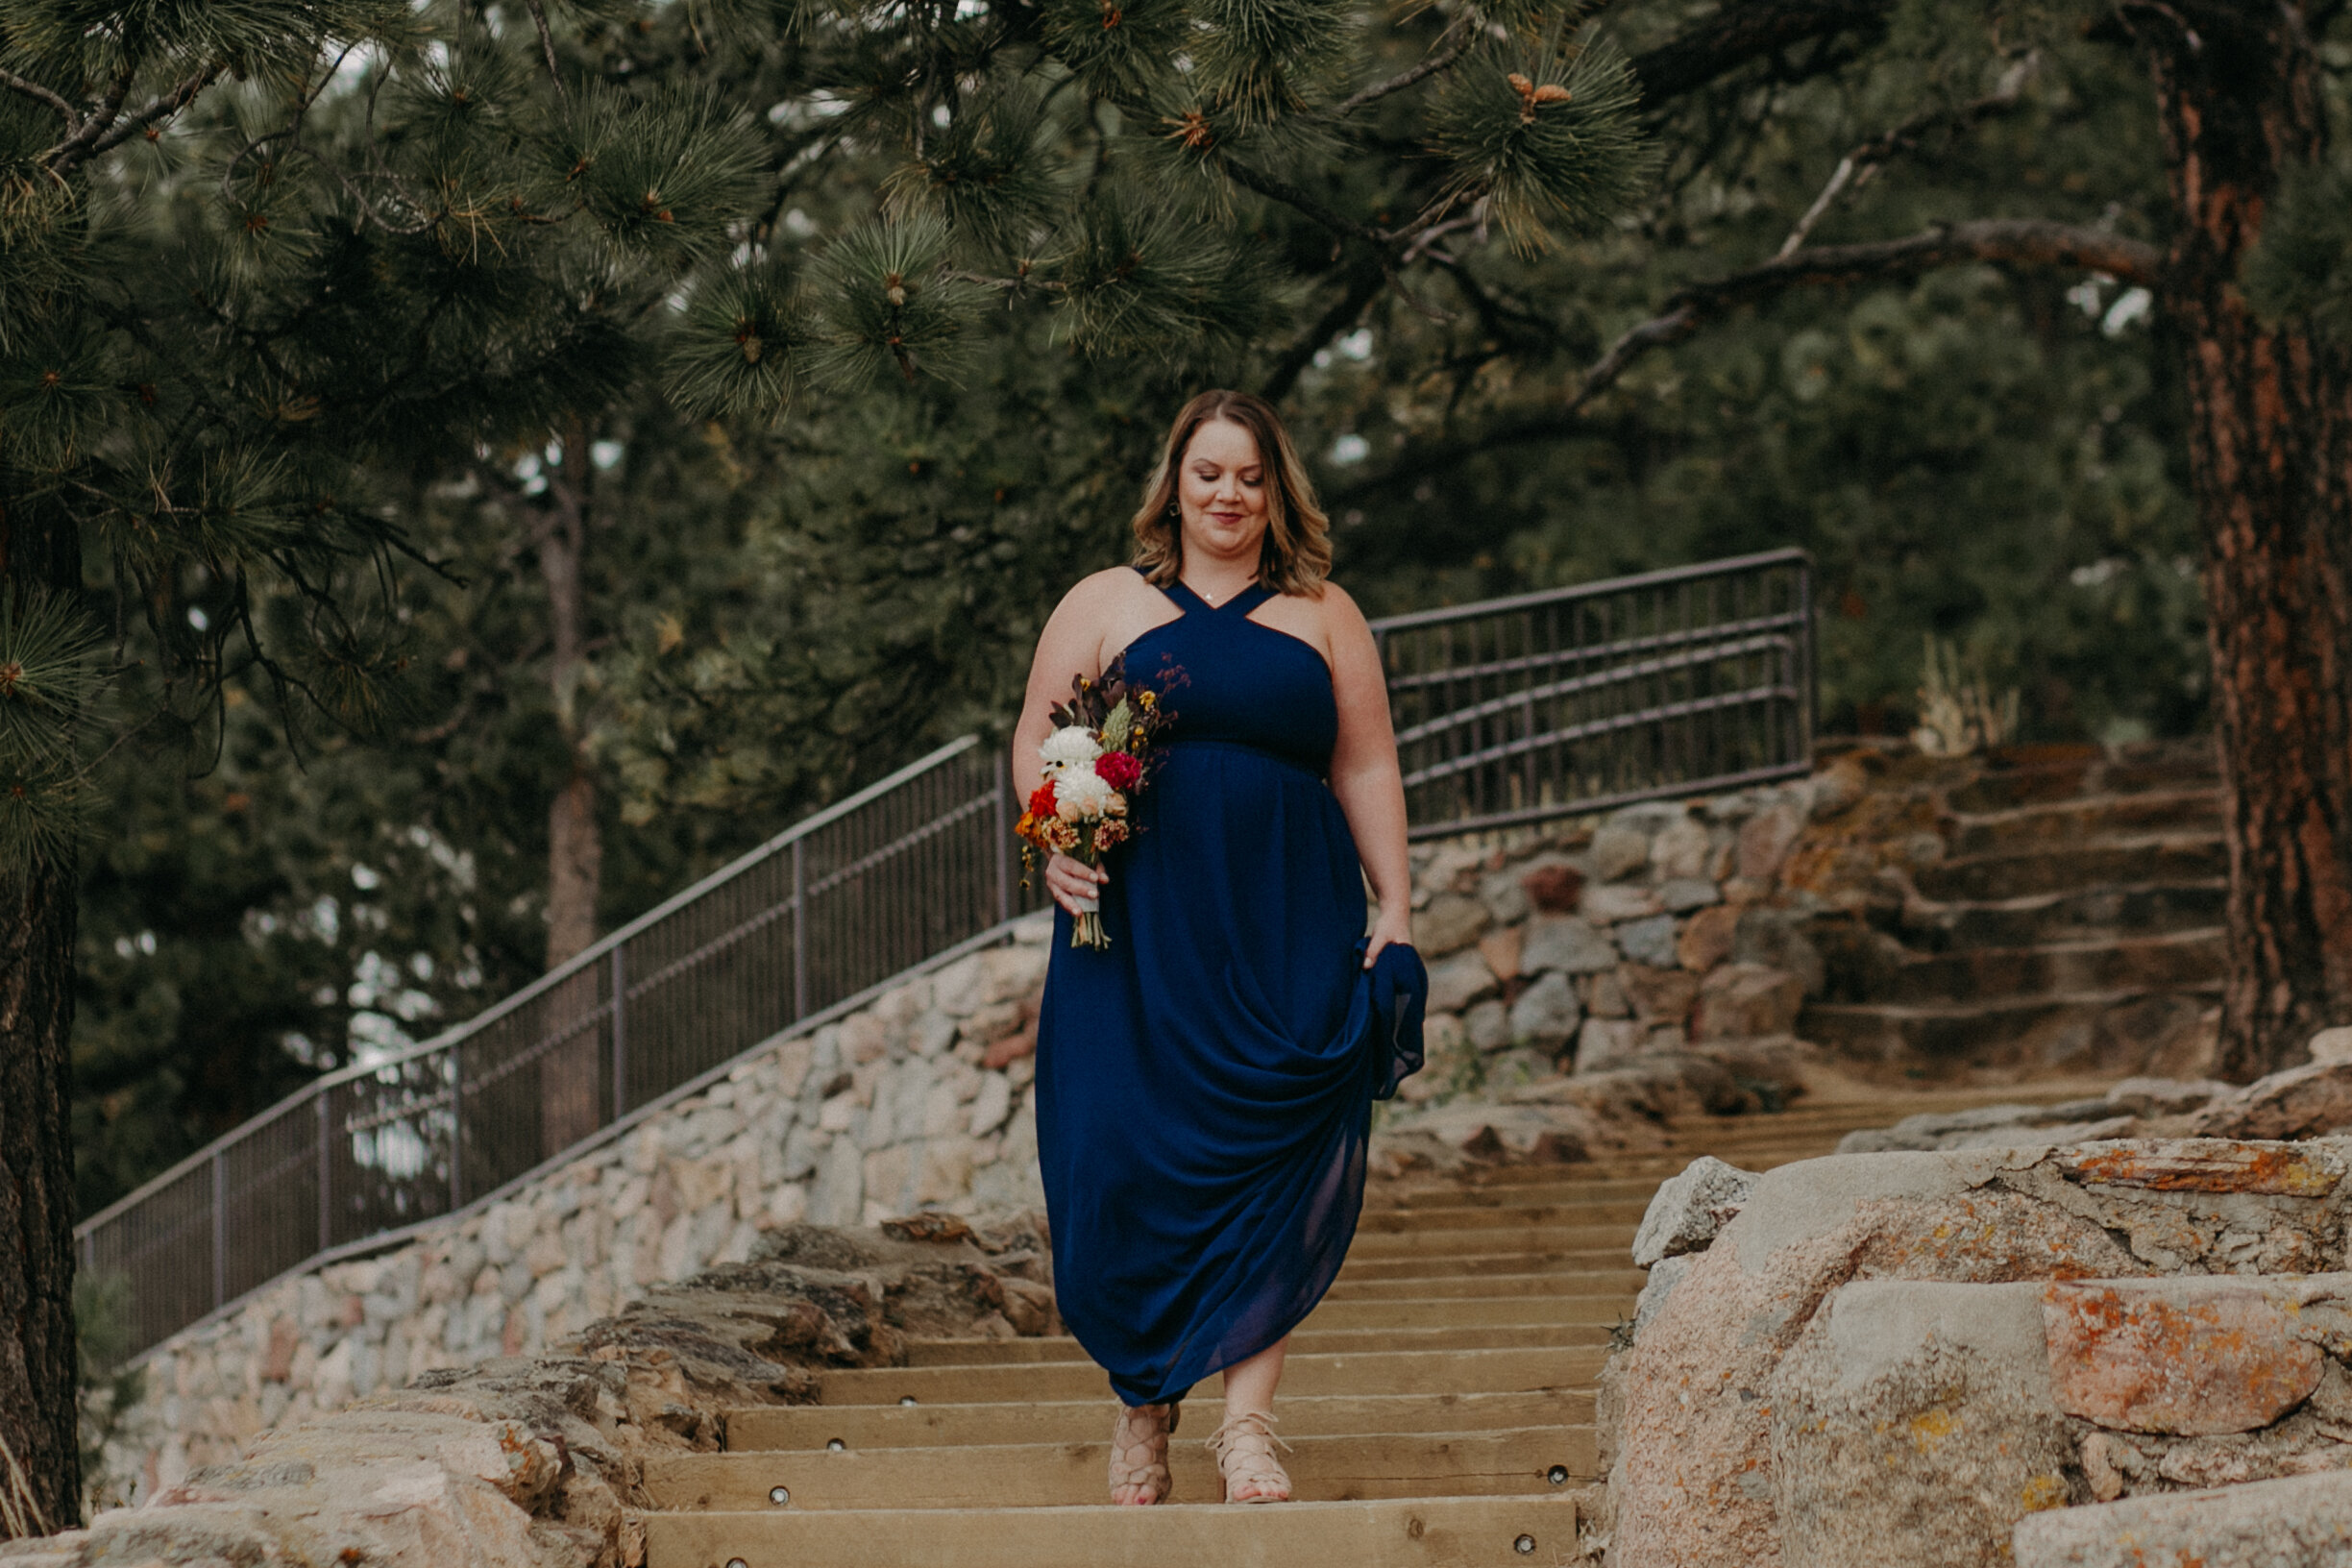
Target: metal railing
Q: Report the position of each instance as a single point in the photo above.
(842, 900)
(1678, 682)
(1508, 710)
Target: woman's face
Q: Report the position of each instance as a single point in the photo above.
(1221, 485)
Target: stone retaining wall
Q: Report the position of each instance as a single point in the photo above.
(1585, 946)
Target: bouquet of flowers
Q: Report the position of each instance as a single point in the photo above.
(1096, 760)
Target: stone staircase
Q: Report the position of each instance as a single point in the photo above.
(2070, 923)
(1440, 1404)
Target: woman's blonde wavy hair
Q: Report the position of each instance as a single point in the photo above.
(1296, 555)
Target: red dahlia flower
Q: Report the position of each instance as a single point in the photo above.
(1119, 770)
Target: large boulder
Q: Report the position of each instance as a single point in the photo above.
(1912, 1422)
(2300, 1102)
(1698, 1479)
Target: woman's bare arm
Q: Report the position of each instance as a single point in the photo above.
(1364, 775)
(1070, 646)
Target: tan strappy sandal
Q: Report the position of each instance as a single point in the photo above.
(1139, 1453)
(1245, 1449)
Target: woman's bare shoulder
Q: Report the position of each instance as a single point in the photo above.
(1338, 609)
(1111, 587)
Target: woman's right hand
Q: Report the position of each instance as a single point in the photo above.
(1069, 879)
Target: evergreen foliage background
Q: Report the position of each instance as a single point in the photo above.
(866, 320)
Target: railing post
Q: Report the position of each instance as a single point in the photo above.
(800, 903)
(456, 1072)
(1004, 836)
(325, 1177)
(620, 1032)
(1810, 684)
(220, 1228)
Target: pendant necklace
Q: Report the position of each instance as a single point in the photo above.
(1213, 604)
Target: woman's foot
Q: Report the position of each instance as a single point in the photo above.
(1139, 1453)
(1245, 1449)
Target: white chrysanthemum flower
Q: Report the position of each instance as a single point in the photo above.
(1069, 746)
(1081, 793)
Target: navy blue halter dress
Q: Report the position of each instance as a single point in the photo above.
(1204, 1085)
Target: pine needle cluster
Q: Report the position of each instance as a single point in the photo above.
(1546, 137)
(258, 256)
(50, 677)
(1137, 281)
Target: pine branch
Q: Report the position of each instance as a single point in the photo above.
(1497, 316)
(2024, 242)
(1747, 30)
(1289, 195)
(42, 95)
(1361, 287)
(1424, 459)
(1462, 34)
(96, 138)
(81, 137)
(547, 45)
(1859, 166)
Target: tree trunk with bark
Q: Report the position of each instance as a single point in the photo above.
(569, 1100)
(2270, 464)
(38, 920)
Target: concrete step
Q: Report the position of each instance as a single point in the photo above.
(816, 1427)
(2019, 775)
(1569, 1184)
(2107, 914)
(1440, 1404)
(2063, 869)
(1506, 1462)
(1374, 1372)
(1403, 1313)
(2156, 963)
(1054, 1350)
(1408, 1532)
(2023, 1030)
(1484, 1286)
(1428, 1265)
(1466, 1216)
(1488, 1240)
(2086, 820)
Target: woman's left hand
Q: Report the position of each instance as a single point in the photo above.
(1393, 925)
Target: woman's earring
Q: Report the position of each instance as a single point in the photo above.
(1175, 508)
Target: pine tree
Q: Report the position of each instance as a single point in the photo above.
(263, 261)
(251, 250)
(2181, 156)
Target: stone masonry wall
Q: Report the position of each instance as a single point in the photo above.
(1583, 948)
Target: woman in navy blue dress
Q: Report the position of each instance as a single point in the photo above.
(1205, 1082)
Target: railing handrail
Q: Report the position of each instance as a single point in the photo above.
(1615, 675)
(1452, 704)
(488, 1015)
(1410, 619)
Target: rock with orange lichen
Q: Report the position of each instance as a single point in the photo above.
(1693, 1482)
(2189, 1356)
(1920, 1422)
